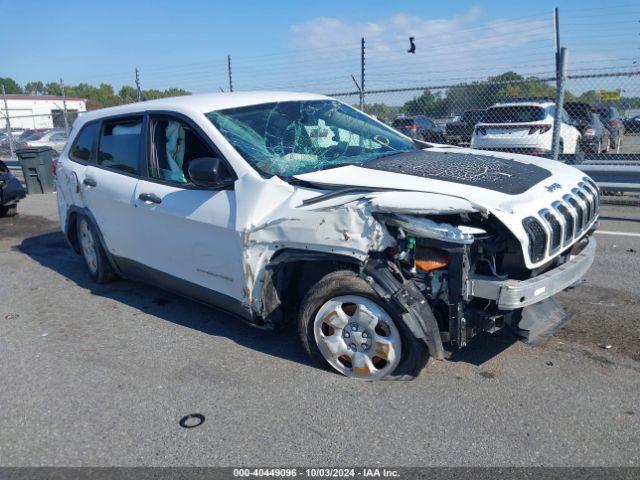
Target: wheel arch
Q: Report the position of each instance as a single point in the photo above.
(290, 274)
(71, 232)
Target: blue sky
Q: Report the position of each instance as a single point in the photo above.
(308, 44)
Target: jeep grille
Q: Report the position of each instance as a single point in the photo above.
(567, 219)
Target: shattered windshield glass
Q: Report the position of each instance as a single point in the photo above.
(291, 138)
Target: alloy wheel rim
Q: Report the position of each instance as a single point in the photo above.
(88, 246)
(357, 337)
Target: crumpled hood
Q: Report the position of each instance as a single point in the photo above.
(500, 182)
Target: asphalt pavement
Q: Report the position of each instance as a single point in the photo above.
(100, 375)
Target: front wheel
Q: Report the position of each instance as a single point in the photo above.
(344, 325)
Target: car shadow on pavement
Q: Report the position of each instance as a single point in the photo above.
(483, 347)
(52, 251)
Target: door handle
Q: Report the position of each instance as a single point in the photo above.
(89, 181)
(150, 198)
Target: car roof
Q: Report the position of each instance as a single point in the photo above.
(203, 102)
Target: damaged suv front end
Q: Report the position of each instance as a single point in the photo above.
(450, 241)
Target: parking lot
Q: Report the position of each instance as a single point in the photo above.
(631, 144)
(101, 374)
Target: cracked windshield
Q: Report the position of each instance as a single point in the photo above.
(291, 138)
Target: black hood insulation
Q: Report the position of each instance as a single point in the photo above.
(507, 176)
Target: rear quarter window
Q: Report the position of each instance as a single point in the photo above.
(83, 144)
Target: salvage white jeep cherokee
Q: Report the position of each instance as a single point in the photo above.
(282, 206)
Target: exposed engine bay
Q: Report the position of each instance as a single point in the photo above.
(441, 254)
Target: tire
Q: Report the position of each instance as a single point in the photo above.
(9, 211)
(330, 310)
(93, 252)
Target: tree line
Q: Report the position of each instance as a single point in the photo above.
(434, 103)
(101, 96)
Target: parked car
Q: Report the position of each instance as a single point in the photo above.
(11, 192)
(419, 127)
(4, 139)
(459, 132)
(55, 139)
(614, 124)
(523, 127)
(31, 131)
(595, 136)
(291, 207)
(632, 125)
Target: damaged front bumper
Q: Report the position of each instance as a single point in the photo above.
(514, 294)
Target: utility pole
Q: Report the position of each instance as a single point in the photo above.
(64, 108)
(6, 113)
(362, 74)
(138, 92)
(556, 29)
(229, 72)
(557, 120)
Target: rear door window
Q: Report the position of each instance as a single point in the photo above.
(120, 144)
(83, 145)
(514, 114)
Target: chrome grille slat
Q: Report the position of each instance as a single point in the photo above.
(569, 221)
(587, 206)
(579, 213)
(591, 203)
(594, 199)
(554, 229)
(564, 221)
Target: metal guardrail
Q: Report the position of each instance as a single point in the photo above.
(604, 158)
(621, 178)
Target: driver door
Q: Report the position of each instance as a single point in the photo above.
(186, 234)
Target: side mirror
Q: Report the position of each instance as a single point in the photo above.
(208, 172)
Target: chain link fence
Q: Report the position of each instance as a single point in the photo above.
(600, 119)
(599, 122)
(34, 122)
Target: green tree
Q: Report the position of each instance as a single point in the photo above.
(378, 110)
(34, 88)
(426, 104)
(10, 85)
(53, 88)
(127, 94)
(176, 92)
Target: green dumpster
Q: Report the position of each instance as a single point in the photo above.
(37, 167)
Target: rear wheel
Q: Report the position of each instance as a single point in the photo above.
(344, 325)
(93, 252)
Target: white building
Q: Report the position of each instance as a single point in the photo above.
(39, 111)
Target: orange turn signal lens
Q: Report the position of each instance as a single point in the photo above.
(428, 265)
(428, 259)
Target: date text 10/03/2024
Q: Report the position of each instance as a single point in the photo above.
(317, 472)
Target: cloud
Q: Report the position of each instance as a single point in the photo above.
(462, 43)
